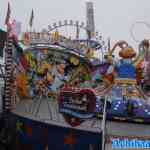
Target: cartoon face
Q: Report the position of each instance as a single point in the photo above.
(53, 69)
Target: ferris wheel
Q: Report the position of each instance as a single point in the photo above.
(78, 32)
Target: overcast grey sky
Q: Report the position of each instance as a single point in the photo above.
(112, 17)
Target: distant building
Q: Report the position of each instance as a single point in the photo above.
(90, 19)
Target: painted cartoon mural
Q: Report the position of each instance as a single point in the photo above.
(75, 88)
(47, 70)
(79, 91)
(79, 88)
(60, 90)
(127, 100)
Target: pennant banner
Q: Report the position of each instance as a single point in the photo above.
(8, 15)
(31, 19)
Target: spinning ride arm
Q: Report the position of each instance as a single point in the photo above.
(121, 44)
(143, 48)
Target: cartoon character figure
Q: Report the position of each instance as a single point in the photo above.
(125, 67)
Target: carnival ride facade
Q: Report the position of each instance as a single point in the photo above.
(58, 80)
(65, 71)
(74, 89)
(51, 65)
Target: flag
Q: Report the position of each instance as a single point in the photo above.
(26, 39)
(23, 63)
(8, 15)
(31, 19)
(15, 29)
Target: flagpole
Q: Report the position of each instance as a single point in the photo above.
(103, 125)
(77, 31)
(109, 49)
(30, 29)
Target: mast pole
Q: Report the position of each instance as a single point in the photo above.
(103, 125)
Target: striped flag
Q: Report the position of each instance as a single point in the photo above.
(31, 19)
(22, 61)
(8, 15)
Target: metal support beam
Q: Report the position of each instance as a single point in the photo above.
(104, 123)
